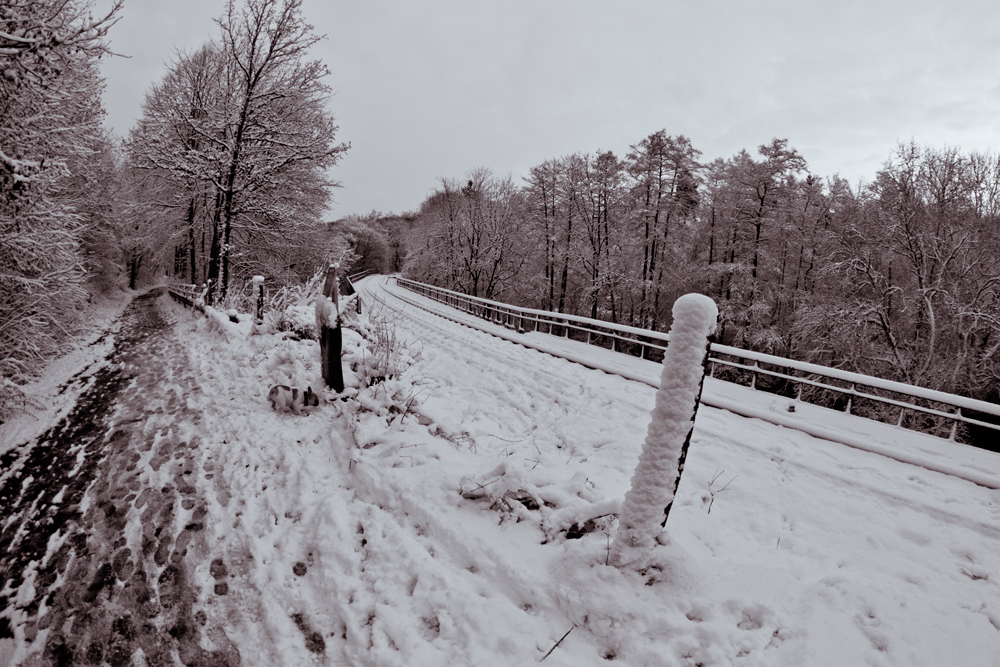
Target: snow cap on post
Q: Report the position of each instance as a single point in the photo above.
(257, 280)
(656, 475)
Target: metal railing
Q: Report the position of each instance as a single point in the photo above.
(355, 277)
(187, 293)
(916, 408)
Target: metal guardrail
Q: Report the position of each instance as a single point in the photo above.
(925, 410)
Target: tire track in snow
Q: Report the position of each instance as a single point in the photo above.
(542, 388)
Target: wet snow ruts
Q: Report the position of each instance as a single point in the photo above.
(103, 516)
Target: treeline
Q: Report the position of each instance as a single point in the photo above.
(224, 176)
(896, 278)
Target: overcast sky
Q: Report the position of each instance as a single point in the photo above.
(431, 89)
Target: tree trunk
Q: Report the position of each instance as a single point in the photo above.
(190, 221)
(133, 270)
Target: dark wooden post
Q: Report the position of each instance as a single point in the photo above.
(687, 440)
(331, 338)
(258, 282)
(350, 290)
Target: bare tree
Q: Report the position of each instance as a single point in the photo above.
(243, 130)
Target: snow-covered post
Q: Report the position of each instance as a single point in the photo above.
(330, 335)
(658, 473)
(258, 283)
(206, 294)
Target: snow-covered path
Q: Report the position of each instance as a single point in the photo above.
(363, 534)
(104, 533)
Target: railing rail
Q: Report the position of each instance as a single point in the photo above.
(920, 409)
(186, 293)
(355, 277)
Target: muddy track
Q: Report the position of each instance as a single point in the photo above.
(103, 517)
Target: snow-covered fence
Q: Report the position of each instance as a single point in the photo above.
(258, 284)
(187, 294)
(926, 410)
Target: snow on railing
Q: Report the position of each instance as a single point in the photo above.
(187, 293)
(920, 409)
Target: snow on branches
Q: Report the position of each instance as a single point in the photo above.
(50, 113)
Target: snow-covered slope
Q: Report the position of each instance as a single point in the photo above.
(424, 521)
(815, 553)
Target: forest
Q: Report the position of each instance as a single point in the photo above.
(897, 277)
(224, 176)
(227, 175)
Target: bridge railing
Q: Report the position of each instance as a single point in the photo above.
(926, 410)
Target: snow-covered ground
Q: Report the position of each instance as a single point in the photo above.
(424, 520)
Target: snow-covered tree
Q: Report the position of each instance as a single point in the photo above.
(242, 131)
(473, 234)
(50, 113)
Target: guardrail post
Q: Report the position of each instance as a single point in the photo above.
(753, 377)
(954, 424)
(847, 410)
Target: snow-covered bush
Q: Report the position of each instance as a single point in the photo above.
(662, 459)
(379, 396)
(290, 309)
(242, 299)
(383, 355)
(561, 508)
(49, 127)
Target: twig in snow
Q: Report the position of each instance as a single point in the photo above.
(479, 487)
(557, 644)
(712, 492)
(539, 459)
